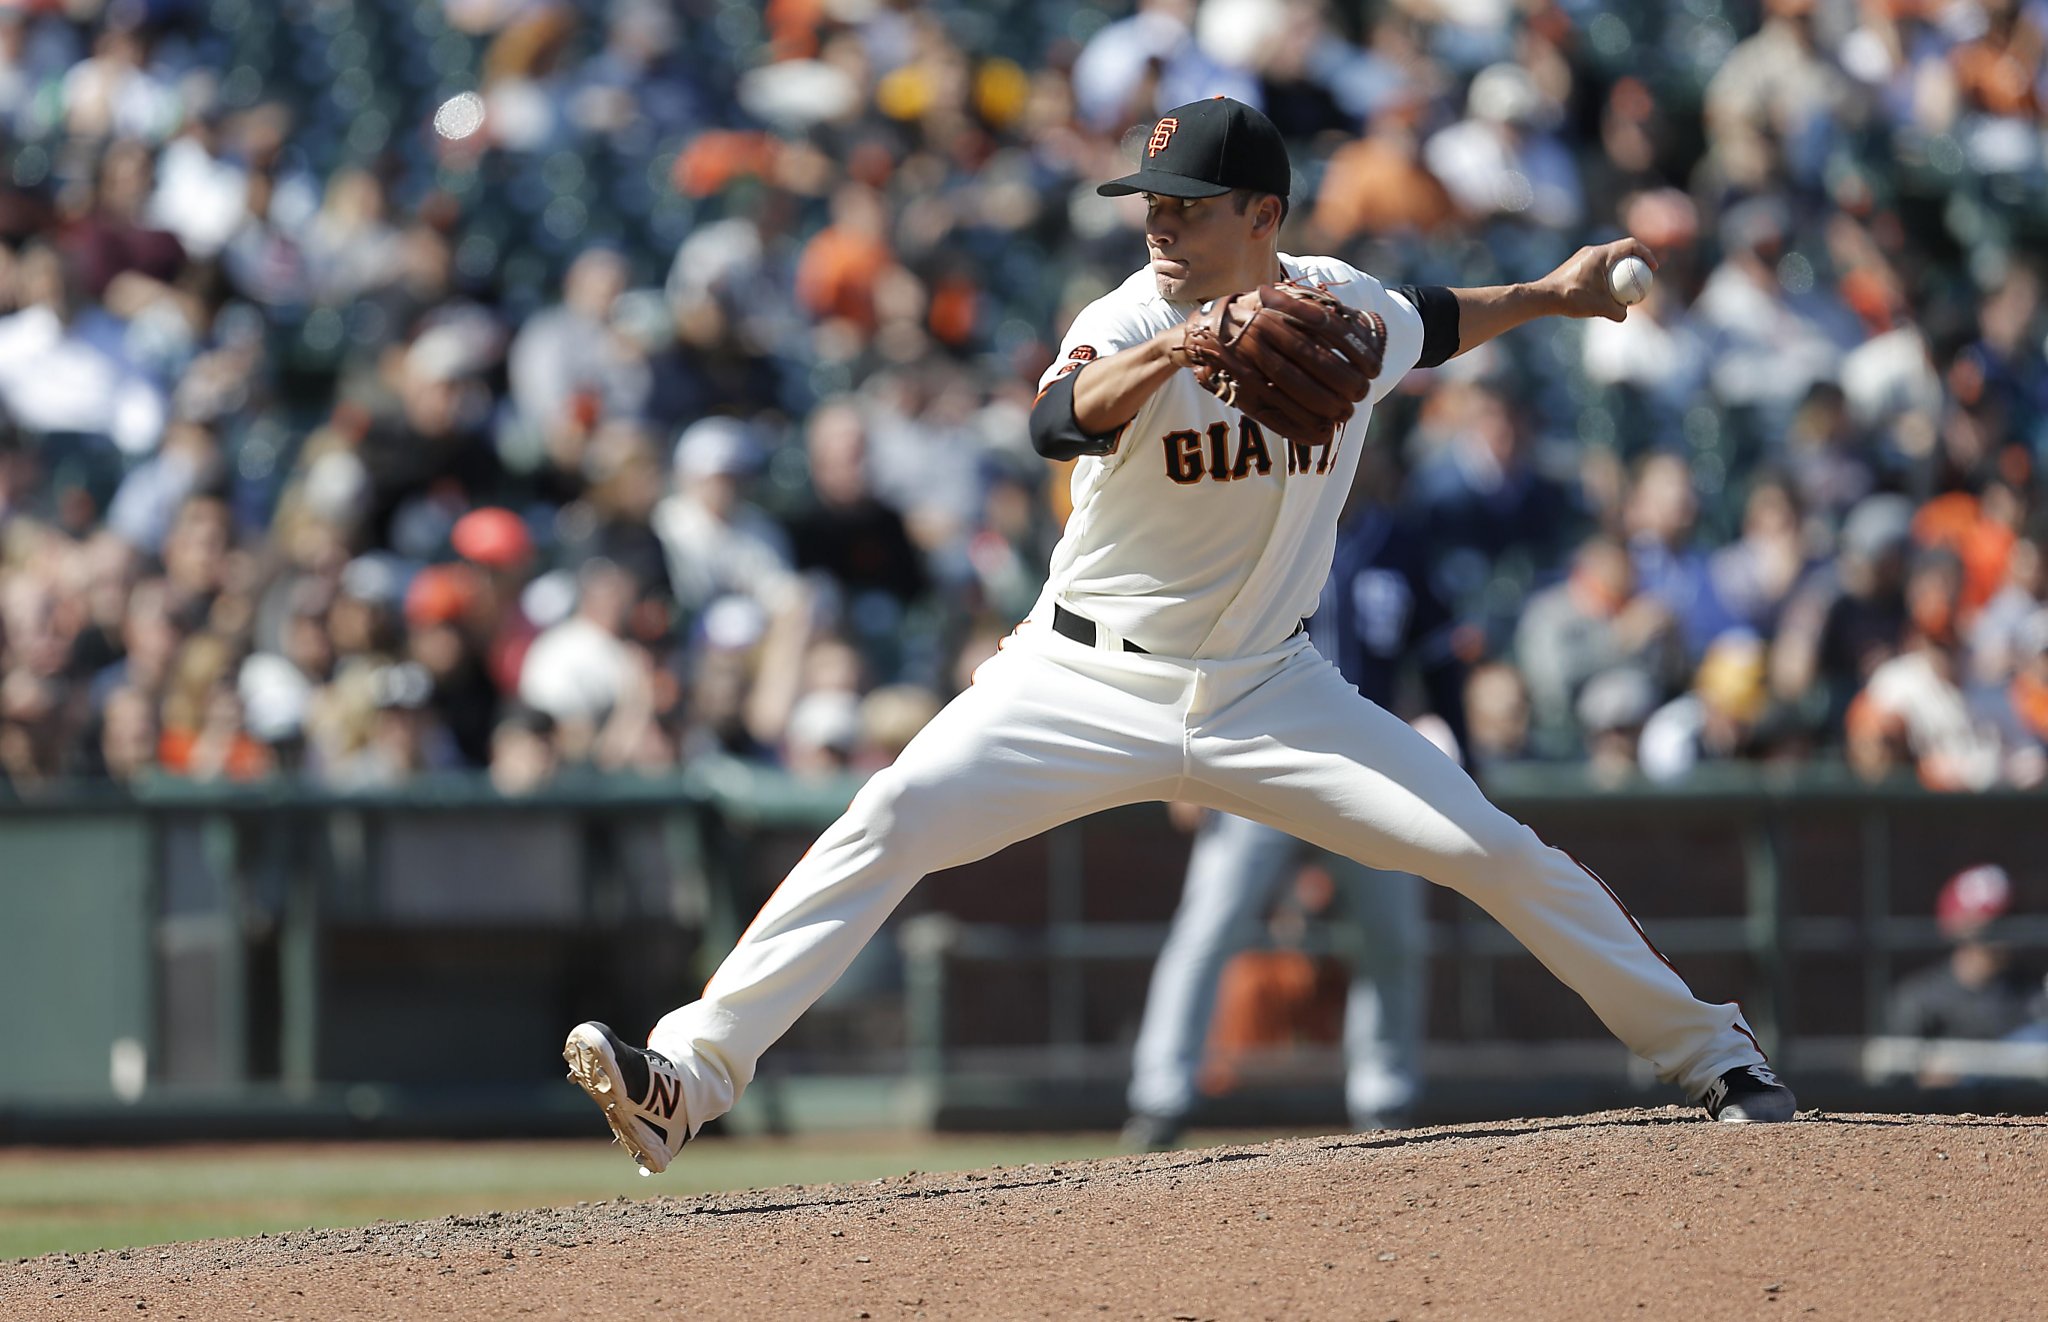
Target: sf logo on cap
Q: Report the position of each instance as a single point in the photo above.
(1162, 133)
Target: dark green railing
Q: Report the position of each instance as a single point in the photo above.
(291, 945)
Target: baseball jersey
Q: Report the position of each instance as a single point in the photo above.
(1200, 534)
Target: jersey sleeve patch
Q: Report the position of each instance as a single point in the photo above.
(1110, 324)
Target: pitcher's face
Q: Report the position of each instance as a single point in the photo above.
(1201, 247)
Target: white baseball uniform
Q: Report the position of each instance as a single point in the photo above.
(1205, 541)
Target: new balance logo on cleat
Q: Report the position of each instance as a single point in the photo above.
(640, 1092)
(1749, 1094)
(663, 1093)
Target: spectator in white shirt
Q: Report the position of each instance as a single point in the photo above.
(715, 542)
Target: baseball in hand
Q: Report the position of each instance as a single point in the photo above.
(1630, 279)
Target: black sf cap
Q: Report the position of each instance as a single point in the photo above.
(1206, 149)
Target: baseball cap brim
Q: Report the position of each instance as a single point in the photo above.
(1162, 183)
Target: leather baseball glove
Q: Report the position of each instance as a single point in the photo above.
(1288, 356)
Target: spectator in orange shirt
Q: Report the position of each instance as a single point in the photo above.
(1379, 185)
(842, 264)
(1980, 529)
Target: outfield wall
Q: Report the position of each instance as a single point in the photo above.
(275, 961)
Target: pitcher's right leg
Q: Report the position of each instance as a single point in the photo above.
(1304, 752)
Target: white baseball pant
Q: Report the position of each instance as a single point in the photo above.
(1234, 871)
(1052, 730)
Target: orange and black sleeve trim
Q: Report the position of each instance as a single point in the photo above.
(1054, 432)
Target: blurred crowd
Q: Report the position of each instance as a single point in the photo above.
(398, 386)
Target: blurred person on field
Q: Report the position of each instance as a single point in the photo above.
(1381, 623)
(1592, 622)
(716, 542)
(1976, 993)
(1478, 488)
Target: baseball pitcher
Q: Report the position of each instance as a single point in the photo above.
(1216, 402)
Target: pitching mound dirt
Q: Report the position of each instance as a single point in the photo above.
(1653, 1214)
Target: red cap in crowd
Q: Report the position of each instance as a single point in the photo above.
(494, 538)
(439, 594)
(1972, 899)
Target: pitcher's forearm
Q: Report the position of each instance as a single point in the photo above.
(1109, 392)
(1496, 309)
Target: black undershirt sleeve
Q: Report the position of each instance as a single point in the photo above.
(1439, 309)
(1055, 434)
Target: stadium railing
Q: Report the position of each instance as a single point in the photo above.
(280, 959)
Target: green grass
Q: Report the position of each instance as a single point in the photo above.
(53, 1200)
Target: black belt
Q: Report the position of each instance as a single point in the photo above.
(1082, 631)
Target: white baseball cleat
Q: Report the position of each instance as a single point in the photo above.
(1749, 1094)
(640, 1092)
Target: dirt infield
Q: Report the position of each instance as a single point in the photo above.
(1652, 1214)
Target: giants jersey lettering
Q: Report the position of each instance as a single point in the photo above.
(1200, 534)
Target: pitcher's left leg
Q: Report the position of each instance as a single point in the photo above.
(1304, 752)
